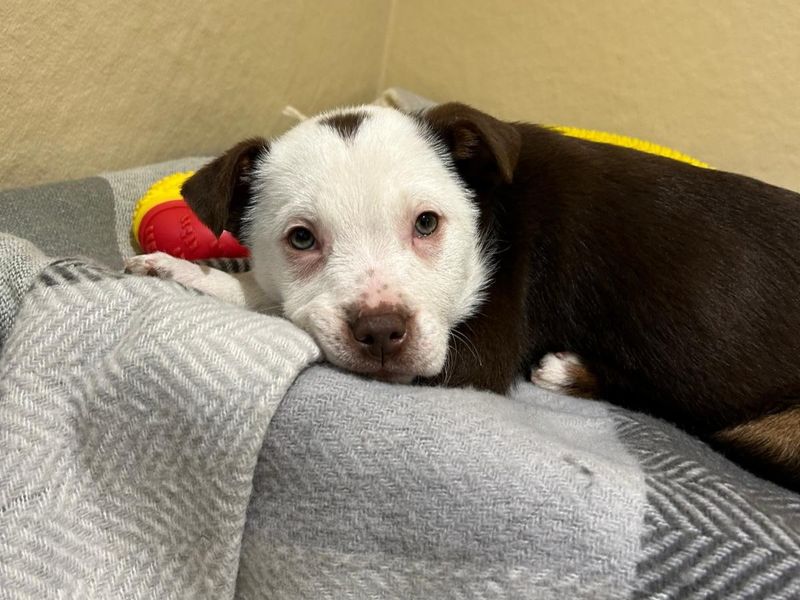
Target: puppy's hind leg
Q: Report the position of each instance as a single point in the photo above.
(566, 373)
(769, 445)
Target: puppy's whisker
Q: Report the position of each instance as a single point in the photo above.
(461, 337)
(446, 368)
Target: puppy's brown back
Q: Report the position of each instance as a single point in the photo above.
(678, 286)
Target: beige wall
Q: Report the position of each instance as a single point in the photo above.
(719, 79)
(108, 84)
(105, 84)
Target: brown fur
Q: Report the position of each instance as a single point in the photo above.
(769, 444)
(679, 287)
(345, 124)
(583, 383)
(220, 192)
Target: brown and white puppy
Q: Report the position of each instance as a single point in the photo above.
(454, 248)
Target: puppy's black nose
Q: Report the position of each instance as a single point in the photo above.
(382, 335)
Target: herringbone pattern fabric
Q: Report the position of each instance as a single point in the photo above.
(712, 530)
(132, 412)
(371, 490)
(133, 428)
(20, 262)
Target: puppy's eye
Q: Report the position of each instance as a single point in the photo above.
(426, 224)
(301, 238)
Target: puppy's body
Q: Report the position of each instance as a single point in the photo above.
(678, 287)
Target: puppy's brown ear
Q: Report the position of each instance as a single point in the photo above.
(220, 192)
(484, 149)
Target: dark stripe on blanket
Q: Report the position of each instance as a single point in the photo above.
(62, 270)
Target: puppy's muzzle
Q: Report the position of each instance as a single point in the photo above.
(382, 335)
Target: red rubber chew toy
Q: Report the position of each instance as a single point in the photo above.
(163, 222)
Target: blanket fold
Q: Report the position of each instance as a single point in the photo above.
(132, 411)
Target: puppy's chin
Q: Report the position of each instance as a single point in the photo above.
(390, 377)
(390, 373)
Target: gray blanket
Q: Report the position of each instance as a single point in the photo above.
(155, 443)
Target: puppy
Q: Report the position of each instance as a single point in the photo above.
(457, 249)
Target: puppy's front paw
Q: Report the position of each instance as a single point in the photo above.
(564, 372)
(157, 264)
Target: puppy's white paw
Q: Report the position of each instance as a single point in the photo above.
(159, 264)
(562, 372)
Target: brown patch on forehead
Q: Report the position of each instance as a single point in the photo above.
(345, 124)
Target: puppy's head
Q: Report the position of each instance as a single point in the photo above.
(362, 229)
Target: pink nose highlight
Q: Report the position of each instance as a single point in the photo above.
(382, 335)
(376, 292)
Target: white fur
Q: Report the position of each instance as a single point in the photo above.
(362, 196)
(236, 288)
(553, 372)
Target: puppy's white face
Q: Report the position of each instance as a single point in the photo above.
(363, 233)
